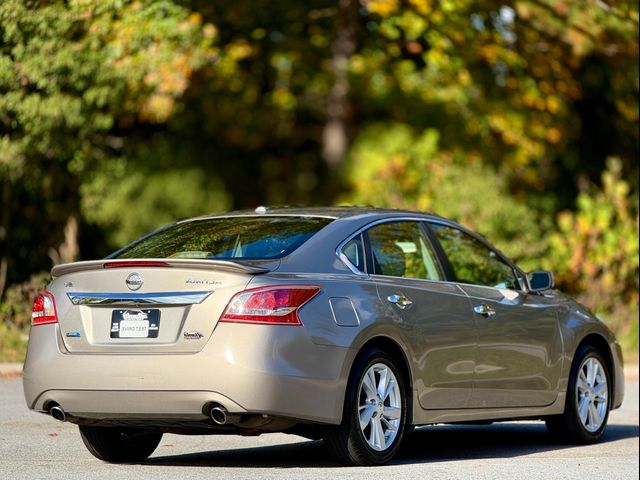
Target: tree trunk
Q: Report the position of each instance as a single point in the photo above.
(69, 250)
(4, 233)
(336, 133)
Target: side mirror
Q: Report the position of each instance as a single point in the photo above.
(540, 280)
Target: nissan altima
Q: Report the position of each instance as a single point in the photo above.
(347, 324)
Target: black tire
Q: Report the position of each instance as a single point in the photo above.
(347, 442)
(568, 427)
(120, 445)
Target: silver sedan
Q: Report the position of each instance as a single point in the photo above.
(346, 324)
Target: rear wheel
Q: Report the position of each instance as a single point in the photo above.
(120, 445)
(375, 413)
(587, 405)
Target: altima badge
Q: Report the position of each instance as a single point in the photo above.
(134, 281)
(198, 281)
(193, 335)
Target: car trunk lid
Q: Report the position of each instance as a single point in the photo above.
(145, 306)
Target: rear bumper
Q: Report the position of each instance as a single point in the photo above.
(247, 368)
(135, 404)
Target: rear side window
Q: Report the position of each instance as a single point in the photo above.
(354, 251)
(251, 238)
(401, 249)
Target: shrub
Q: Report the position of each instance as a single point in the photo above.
(15, 308)
(594, 252)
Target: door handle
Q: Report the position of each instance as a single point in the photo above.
(400, 300)
(484, 310)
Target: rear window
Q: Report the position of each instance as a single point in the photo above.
(250, 238)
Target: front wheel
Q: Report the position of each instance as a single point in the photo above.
(587, 404)
(120, 445)
(375, 413)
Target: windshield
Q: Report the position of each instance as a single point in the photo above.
(251, 238)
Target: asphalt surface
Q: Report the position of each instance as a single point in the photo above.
(34, 446)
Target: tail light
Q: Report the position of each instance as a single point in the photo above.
(269, 305)
(44, 309)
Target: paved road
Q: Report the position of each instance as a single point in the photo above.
(33, 446)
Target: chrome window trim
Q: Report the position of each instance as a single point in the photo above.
(153, 298)
(426, 280)
(439, 221)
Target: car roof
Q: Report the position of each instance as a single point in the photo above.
(334, 212)
(348, 220)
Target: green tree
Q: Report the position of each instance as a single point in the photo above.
(76, 77)
(396, 167)
(119, 115)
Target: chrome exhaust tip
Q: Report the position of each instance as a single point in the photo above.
(58, 413)
(221, 416)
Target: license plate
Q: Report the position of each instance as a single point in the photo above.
(135, 323)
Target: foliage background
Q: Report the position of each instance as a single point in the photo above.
(517, 118)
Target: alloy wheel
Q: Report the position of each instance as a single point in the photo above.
(592, 394)
(379, 406)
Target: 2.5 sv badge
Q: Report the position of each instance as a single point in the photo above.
(192, 335)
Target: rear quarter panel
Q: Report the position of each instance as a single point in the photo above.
(321, 325)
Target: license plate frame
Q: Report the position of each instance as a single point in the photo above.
(135, 323)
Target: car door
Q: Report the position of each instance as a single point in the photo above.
(432, 314)
(519, 350)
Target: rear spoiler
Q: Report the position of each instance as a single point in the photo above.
(134, 263)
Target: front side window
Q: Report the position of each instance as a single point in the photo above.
(250, 238)
(401, 249)
(472, 261)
